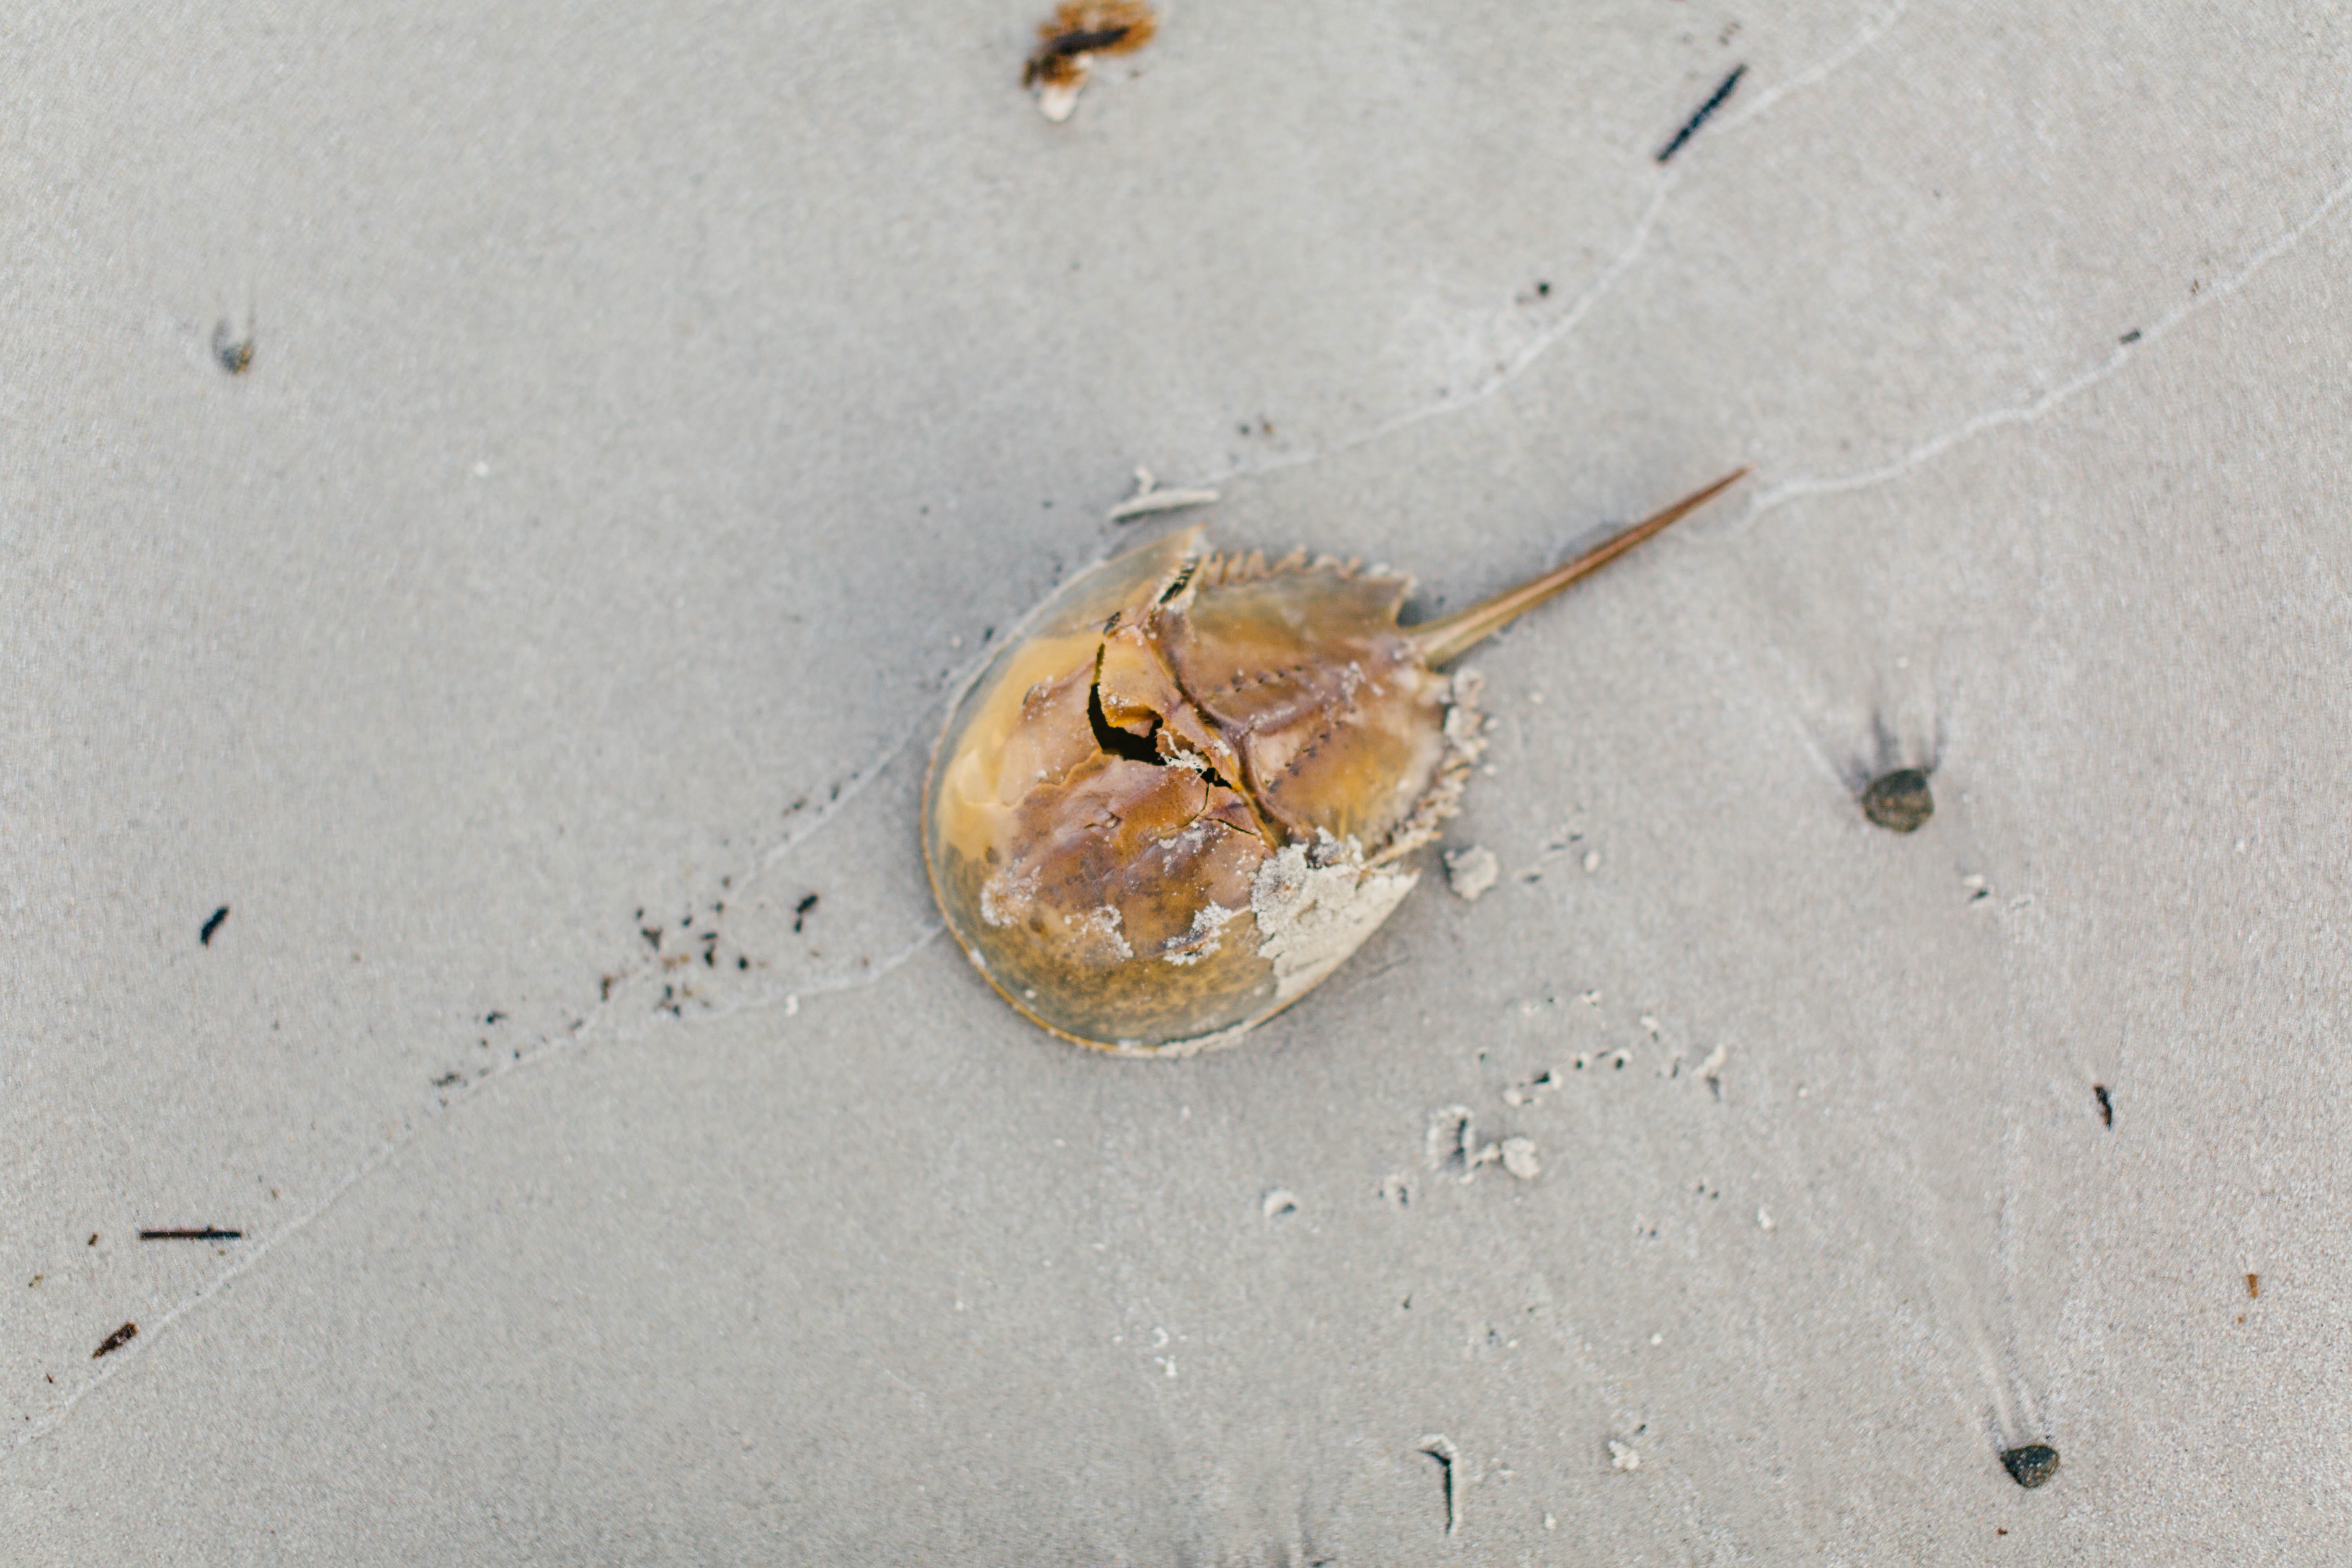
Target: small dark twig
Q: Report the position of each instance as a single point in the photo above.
(212, 924)
(1690, 126)
(208, 1233)
(116, 1340)
(1084, 41)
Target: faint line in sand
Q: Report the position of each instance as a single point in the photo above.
(1762, 103)
(392, 1144)
(857, 980)
(2137, 343)
(1549, 337)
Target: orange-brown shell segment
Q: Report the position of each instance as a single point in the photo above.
(1108, 803)
(1339, 724)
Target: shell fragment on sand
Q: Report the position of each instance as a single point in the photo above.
(1471, 872)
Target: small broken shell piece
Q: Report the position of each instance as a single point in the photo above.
(1068, 43)
(1057, 96)
(1149, 497)
(1471, 872)
(1184, 794)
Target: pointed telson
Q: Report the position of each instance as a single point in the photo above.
(1447, 639)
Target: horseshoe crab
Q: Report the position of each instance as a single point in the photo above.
(1184, 794)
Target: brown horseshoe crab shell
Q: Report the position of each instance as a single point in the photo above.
(1179, 798)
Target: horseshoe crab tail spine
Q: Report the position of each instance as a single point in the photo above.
(1451, 637)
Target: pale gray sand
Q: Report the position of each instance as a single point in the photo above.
(646, 421)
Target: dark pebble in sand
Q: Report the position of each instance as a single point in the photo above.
(2030, 1466)
(1899, 801)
